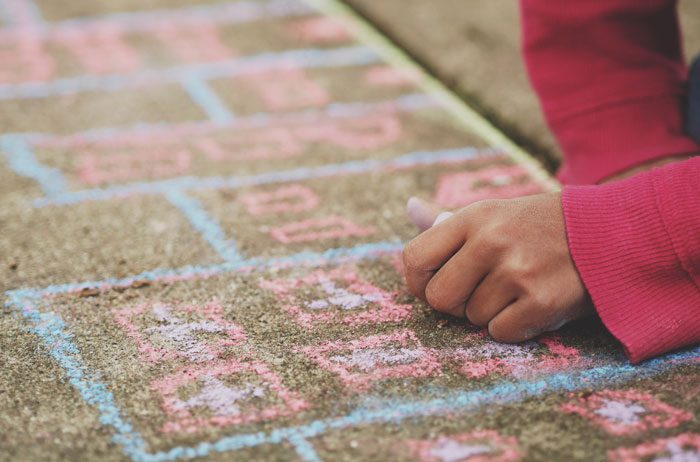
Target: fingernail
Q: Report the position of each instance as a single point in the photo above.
(442, 217)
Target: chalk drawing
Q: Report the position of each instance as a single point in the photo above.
(499, 182)
(343, 297)
(626, 412)
(319, 30)
(193, 41)
(293, 198)
(477, 446)
(116, 165)
(318, 229)
(545, 355)
(165, 331)
(231, 392)
(23, 58)
(682, 448)
(99, 51)
(361, 362)
(287, 88)
(388, 76)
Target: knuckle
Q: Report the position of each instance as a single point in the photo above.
(436, 296)
(476, 317)
(412, 260)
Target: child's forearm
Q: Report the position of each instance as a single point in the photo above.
(636, 244)
(611, 78)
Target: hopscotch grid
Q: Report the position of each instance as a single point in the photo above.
(189, 183)
(52, 329)
(228, 13)
(305, 58)
(19, 147)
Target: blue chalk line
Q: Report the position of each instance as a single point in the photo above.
(409, 160)
(207, 99)
(206, 224)
(305, 58)
(21, 159)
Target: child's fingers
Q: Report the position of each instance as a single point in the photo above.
(490, 297)
(425, 254)
(516, 323)
(450, 288)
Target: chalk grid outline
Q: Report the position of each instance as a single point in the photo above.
(51, 328)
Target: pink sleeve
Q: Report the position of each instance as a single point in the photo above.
(636, 244)
(611, 79)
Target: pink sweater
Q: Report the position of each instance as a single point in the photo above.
(612, 82)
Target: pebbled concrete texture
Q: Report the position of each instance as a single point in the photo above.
(474, 47)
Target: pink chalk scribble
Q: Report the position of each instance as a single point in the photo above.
(129, 164)
(100, 50)
(389, 76)
(193, 41)
(477, 446)
(292, 198)
(319, 30)
(499, 182)
(366, 133)
(274, 143)
(344, 298)
(318, 229)
(626, 412)
(546, 354)
(287, 88)
(230, 392)
(360, 363)
(173, 331)
(23, 58)
(681, 448)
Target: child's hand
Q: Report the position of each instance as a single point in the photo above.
(504, 264)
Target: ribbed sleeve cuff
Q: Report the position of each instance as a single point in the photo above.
(626, 257)
(603, 141)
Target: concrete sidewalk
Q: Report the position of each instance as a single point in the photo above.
(473, 47)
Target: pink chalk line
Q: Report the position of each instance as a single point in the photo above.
(243, 403)
(172, 337)
(293, 198)
(346, 299)
(499, 182)
(319, 30)
(287, 88)
(681, 448)
(318, 229)
(626, 412)
(389, 76)
(477, 446)
(519, 360)
(361, 362)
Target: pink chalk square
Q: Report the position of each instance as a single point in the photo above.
(498, 182)
(224, 393)
(164, 331)
(626, 412)
(293, 198)
(360, 363)
(132, 163)
(319, 229)
(319, 30)
(340, 296)
(477, 446)
(545, 355)
(100, 50)
(682, 448)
